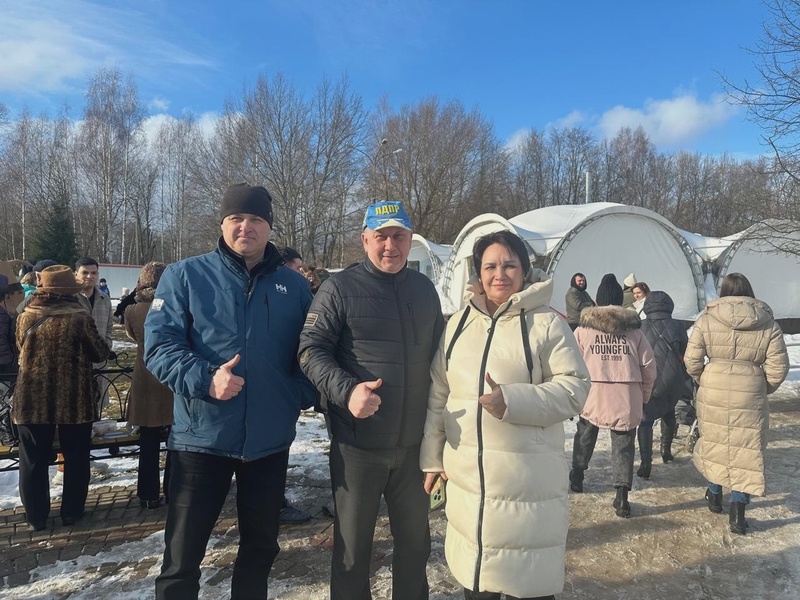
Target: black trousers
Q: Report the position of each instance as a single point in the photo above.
(359, 478)
(198, 485)
(35, 452)
(669, 425)
(623, 448)
(468, 595)
(148, 481)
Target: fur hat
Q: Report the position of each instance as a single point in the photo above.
(246, 199)
(609, 292)
(58, 279)
(629, 281)
(150, 275)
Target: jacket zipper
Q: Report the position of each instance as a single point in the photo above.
(248, 294)
(481, 474)
(405, 358)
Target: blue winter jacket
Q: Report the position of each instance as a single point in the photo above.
(206, 310)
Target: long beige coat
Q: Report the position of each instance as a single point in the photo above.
(747, 361)
(507, 507)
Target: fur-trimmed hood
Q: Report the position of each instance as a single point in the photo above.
(610, 319)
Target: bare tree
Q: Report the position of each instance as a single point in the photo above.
(529, 165)
(773, 102)
(112, 118)
(442, 169)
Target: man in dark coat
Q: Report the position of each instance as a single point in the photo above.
(577, 299)
(367, 345)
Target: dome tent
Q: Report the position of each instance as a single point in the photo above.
(427, 257)
(768, 254)
(593, 239)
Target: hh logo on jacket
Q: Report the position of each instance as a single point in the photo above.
(610, 346)
(281, 288)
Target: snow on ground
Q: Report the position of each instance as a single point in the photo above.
(672, 547)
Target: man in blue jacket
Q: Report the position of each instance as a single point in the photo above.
(222, 333)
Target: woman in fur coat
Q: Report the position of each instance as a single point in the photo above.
(149, 400)
(506, 376)
(55, 388)
(623, 370)
(747, 360)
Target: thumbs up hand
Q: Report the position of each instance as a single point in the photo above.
(363, 401)
(493, 402)
(225, 385)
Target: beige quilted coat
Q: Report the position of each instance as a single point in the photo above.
(747, 361)
(507, 507)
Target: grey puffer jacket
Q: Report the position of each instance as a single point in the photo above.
(365, 324)
(668, 339)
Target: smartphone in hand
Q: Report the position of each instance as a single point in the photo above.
(438, 495)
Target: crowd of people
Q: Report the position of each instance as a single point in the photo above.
(233, 344)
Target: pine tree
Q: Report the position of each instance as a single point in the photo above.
(56, 239)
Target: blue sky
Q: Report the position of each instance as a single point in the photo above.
(523, 64)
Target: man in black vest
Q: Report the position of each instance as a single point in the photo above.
(367, 345)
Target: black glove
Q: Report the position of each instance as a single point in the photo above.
(112, 355)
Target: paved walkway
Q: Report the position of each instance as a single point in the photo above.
(114, 516)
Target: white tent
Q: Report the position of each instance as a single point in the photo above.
(708, 248)
(593, 239)
(766, 254)
(427, 257)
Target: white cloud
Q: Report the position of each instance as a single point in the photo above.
(573, 119)
(516, 139)
(152, 125)
(669, 123)
(54, 46)
(158, 104)
(206, 125)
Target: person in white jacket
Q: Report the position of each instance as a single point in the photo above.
(507, 374)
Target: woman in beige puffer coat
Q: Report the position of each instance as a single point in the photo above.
(747, 360)
(501, 445)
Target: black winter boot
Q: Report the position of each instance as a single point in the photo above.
(644, 436)
(621, 505)
(667, 435)
(666, 451)
(737, 522)
(714, 501)
(576, 480)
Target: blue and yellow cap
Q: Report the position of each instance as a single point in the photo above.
(389, 213)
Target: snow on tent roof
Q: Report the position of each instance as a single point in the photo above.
(767, 254)
(593, 239)
(430, 256)
(708, 248)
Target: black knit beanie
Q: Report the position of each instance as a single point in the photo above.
(609, 292)
(246, 199)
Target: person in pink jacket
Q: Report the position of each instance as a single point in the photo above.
(623, 369)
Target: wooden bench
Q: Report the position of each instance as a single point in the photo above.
(116, 376)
